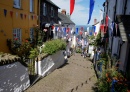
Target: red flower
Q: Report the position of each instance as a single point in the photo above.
(16, 39)
(26, 40)
(14, 34)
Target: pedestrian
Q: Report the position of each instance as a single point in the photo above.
(74, 43)
(82, 46)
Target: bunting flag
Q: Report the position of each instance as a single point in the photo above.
(77, 31)
(91, 7)
(16, 14)
(102, 28)
(5, 12)
(64, 31)
(72, 3)
(25, 16)
(32, 17)
(21, 15)
(11, 13)
(68, 29)
(106, 24)
(35, 16)
(80, 32)
(29, 17)
(94, 28)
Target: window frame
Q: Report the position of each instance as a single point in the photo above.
(52, 11)
(17, 4)
(31, 5)
(31, 34)
(44, 9)
(17, 33)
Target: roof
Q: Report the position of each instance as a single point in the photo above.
(49, 1)
(65, 19)
(124, 26)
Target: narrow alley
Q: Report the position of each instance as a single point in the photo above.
(77, 75)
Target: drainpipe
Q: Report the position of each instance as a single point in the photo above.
(125, 6)
(115, 11)
(39, 1)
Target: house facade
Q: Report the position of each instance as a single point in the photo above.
(48, 17)
(118, 20)
(17, 19)
(66, 25)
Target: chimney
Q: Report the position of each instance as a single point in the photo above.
(63, 11)
(95, 21)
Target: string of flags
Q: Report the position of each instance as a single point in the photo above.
(22, 15)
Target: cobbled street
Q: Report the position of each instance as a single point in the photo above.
(77, 75)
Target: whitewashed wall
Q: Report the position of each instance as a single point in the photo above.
(128, 8)
(115, 46)
(120, 7)
(123, 55)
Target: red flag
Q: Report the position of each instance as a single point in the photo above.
(25, 16)
(72, 3)
(106, 24)
(11, 13)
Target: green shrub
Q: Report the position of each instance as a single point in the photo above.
(54, 46)
(33, 53)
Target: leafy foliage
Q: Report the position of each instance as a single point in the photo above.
(105, 82)
(33, 53)
(98, 40)
(53, 46)
(38, 36)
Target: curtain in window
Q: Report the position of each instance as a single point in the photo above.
(17, 3)
(31, 5)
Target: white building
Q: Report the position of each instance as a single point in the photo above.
(119, 37)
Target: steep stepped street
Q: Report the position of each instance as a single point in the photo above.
(76, 76)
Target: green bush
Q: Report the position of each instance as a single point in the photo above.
(54, 46)
(33, 53)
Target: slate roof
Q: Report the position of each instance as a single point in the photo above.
(49, 1)
(65, 19)
(124, 26)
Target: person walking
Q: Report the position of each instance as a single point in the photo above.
(82, 46)
(74, 43)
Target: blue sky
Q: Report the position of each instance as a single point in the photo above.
(81, 10)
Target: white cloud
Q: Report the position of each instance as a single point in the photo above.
(80, 13)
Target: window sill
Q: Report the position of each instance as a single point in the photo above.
(18, 8)
(32, 12)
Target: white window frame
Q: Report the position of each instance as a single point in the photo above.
(17, 34)
(52, 12)
(31, 5)
(31, 34)
(17, 3)
(44, 9)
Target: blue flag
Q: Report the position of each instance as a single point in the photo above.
(94, 28)
(91, 7)
(77, 31)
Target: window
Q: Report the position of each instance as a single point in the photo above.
(17, 34)
(17, 3)
(31, 5)
(52, 12)
(31, 34)
(44, 9)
